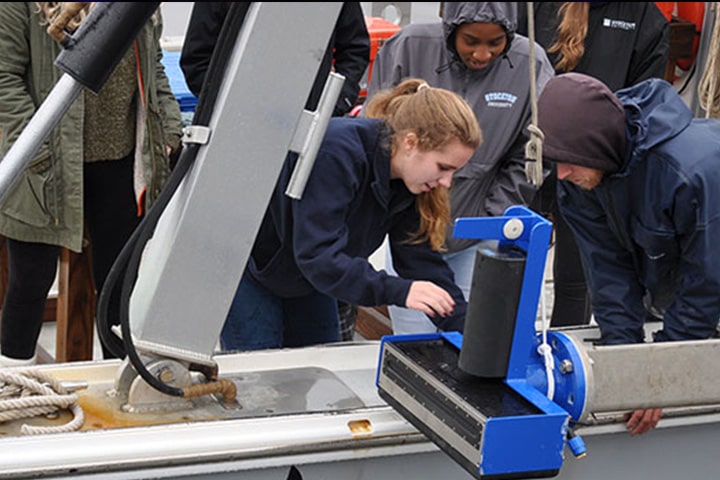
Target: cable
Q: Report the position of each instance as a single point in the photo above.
(127, 263)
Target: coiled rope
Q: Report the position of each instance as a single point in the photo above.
(31, 393)
(708, 91)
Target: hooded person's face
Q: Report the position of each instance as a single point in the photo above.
(584, 127)
(479, 44)
(584, 177)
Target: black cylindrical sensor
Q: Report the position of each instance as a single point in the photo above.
(491, 311)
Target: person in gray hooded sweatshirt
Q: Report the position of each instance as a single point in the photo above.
(476, 53)
(639, 185)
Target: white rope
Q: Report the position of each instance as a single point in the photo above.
(544, 349)
(546, 352)
(534, 175)
(708, 92)
(33, 393)
(533, 148)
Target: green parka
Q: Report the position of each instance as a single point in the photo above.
(46, 204)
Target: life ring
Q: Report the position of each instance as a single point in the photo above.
(692, 12)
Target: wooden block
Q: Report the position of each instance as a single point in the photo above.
(76, 304)
(373, 322)
(682, 37)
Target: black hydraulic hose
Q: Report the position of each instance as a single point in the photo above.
(127, 263)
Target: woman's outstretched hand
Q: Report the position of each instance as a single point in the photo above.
(430, 299)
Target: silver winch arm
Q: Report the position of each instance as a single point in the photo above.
(189, 268)
(192, 265)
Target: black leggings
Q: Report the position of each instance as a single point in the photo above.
(110, 217)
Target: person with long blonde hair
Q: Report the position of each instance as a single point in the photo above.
(384, 174)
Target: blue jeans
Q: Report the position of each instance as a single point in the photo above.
(462, 263)
(258, 319)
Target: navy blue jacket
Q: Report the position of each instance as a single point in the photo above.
(322, 241)
(653, 227)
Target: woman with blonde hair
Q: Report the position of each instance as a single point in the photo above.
(385, 174)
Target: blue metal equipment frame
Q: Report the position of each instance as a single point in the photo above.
(529, 444)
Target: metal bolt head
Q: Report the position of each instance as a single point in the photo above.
(166, 375)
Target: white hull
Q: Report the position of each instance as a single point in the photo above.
(368, 441)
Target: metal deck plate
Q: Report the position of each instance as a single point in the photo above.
(302, 390)
(290, 391)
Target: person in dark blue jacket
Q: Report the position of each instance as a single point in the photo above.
(620, 43)
(385, 174)
(639, 185)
